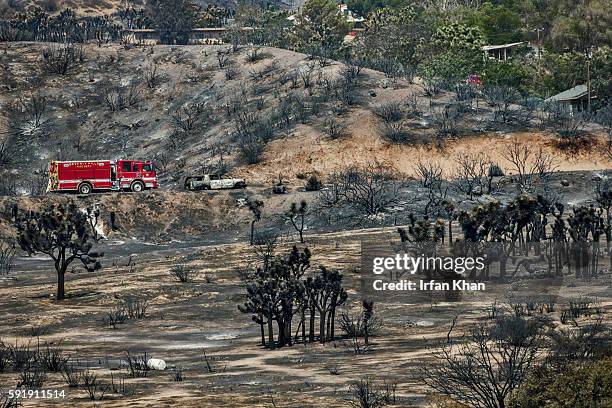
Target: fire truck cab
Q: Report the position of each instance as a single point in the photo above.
(101, 175)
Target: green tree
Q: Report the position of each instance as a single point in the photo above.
(269, 26)
(458, 36)
(453, 53)
(319, 28)
(579, 386)
(504, 74)
(582, 25)
(451, 67)
(554, 73)
(498, 23)
(364, 7)
(393, 37)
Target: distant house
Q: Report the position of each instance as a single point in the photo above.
(357, 23)
(211, 35)
(576, 98)
(501, 52)
(141, 36)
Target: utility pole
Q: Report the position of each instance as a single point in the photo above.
(588, 61)
(589, 52)
(539, 43)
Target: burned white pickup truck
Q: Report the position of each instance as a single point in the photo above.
(212, 182)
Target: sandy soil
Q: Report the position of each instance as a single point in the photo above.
(307, 151)
(186, 320)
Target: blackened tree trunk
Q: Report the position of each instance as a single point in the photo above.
(60, 268)
(287, 335)
(332, 334)
(270, 333)
(328, 328)
(61, 276)
(303, 323)
(322, 314)
(311, 332)
(281, 333)
(261, 328)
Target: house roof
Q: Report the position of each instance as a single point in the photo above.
(501, 46)
(204, 29)
(576, 92)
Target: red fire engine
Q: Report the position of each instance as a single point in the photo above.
(92, 175)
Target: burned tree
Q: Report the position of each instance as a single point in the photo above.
(364, 324)
(63, 234)
(473, 176)
(529, 164)
(273, 291)
(501, 99)
(34, 107)
(429, 173)
(493, 361)
(368, 313)
(118, 97)
(7, 256)
(189, 119)
(255, 207)
(369, 189)
(329, 294)
(506, 229)
(61, 59)
(297, 215)
(277, 291)
(152, 75)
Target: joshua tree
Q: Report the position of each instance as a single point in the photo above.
(328, 284)
(368, 313)
(255, 207)
(276, 292)
(62, 233)
(297, 217)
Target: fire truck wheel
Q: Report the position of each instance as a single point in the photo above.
(85, 188)
(137, 186)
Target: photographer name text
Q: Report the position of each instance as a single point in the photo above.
(403, 264)
(428, 285)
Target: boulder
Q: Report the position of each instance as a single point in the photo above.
(156, 364)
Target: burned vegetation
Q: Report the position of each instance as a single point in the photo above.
(341, 136)
(278, 290)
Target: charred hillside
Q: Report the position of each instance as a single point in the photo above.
(254, 112)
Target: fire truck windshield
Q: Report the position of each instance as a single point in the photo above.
(147, 167)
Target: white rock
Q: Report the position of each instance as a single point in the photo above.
(156, 364)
